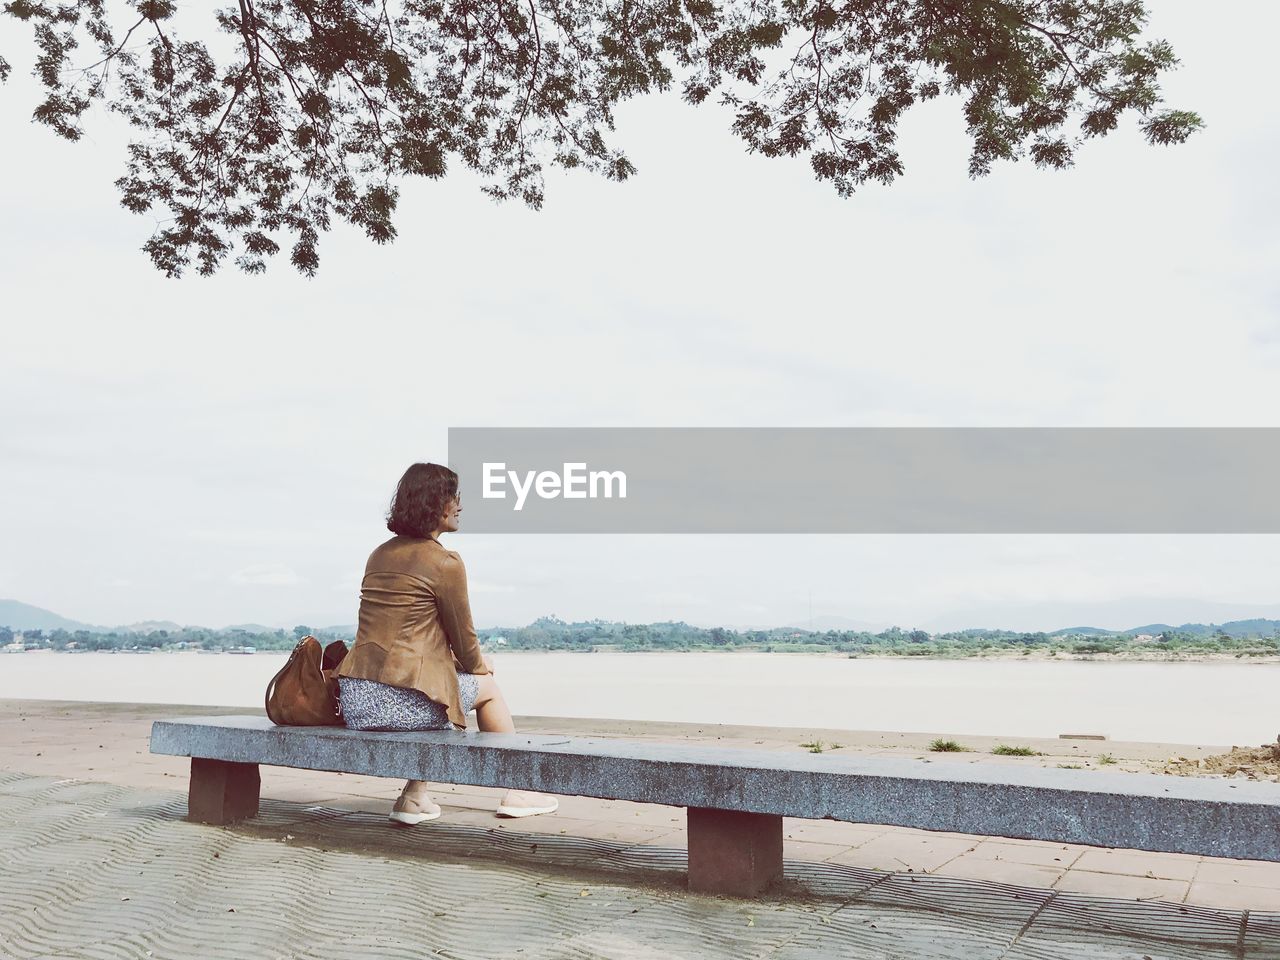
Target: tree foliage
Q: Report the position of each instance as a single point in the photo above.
(1242, 638)
(290, 113)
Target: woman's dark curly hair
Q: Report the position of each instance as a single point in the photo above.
(422, 496)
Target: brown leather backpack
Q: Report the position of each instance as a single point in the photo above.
(305, 691)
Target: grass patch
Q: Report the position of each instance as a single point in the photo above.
(1004, 750)
(1070, 766)
(947, 746)
(1107, 759)
(815, 747)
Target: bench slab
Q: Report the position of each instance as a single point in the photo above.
(1209, 817)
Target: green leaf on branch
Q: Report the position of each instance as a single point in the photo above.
(316, 109)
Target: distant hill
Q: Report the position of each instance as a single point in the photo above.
(150, 626)
(823, 623)
(1258, 626)
(23, 616)
(1116, 616)
(1195, 629)
(346, 630)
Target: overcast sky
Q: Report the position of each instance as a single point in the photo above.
(222, 451)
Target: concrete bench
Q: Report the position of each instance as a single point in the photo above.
(736, 798)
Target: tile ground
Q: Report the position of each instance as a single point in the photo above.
(311, 882)
(62, 740)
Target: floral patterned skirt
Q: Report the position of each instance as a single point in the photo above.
(370, 705)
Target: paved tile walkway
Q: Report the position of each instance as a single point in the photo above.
(109, 872)
(108, 742)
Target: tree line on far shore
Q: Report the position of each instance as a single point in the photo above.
(185, 638)
(1258, 638)
(1241, 638)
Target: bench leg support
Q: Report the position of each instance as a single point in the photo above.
(222, 792)
(732, 853)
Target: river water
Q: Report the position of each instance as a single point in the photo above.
(1207, 703)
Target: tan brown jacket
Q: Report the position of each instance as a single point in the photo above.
(415, 622)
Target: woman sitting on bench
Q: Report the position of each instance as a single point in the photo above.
(416, 662)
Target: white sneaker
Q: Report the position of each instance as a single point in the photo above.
(410, 813)
(527, 805)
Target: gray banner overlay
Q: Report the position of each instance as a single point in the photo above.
(867, 480)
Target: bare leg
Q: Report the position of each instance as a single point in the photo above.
(416, 790)
(492, 712)
(494, 716)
